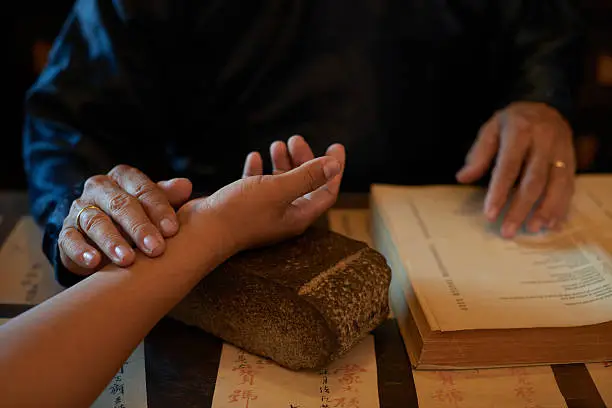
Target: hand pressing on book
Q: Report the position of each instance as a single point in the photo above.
(532, 144)
(261, 209)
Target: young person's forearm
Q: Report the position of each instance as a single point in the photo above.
(84, 334)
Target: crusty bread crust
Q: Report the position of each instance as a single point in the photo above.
(302, 302)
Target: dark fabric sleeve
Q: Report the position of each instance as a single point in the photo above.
(99, 102)
(545, 51)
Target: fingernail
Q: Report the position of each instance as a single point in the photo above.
(122, 252)
(168, 226)
(491, 213)
(151, 243)
(88, 257)
(509, 230)
(331, 169)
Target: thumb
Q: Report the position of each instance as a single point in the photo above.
(177, 190)
(481, 154)
(308, 177)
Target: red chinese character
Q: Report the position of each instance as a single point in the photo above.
(233, 397)
(239, 394)
(446, 378)
(350, 375)
(524, 392)
(452, 396)
(247, 373)
(344, 402)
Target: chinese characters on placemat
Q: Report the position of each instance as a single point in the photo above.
(128, 388)
(26, 277)
(601, 373)
(247, 381)
(532, 387)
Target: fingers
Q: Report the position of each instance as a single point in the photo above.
(530, 190)
(305, 192)
(157, 209)
(554, 207)
(337, 152)
(481, 154)
(510, 160)
(299, 150)
(124, 209)
(253, 165)
(177, 190)
(76, 254)
(102, 231)
(281, 162)
(307, 178)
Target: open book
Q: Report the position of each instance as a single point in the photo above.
(467, 298)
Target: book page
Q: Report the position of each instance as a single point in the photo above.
(601, 373)
(502, 387)
(523, 387)
(466, 276)
(26, 277)
(128, 388)
(247, 381)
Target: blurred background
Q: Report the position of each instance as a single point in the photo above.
(36, 23)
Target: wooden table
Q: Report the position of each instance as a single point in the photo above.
(182, 361)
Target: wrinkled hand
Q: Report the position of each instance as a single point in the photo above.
(132, 209)
(261, 209)
(532, 142)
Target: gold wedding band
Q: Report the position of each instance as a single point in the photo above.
(559, 164)
(78, 217)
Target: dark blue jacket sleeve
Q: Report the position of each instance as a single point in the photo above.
(544, 44)
(99, 102)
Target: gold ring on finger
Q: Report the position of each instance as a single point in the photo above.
(78, 217)
(559, 164)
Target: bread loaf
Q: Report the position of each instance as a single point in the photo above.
(302, 303)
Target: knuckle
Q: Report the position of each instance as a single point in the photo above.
(532, 190)
(138, 228)
(64, 238)
(311, 179)
(94, 222)
(145, 191)
(522, 123)
(76, 205)
(119, 169)
(95, 181)
(119, 202)
(509, 164)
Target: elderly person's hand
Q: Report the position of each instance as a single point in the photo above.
(532, 144)
(116, 210)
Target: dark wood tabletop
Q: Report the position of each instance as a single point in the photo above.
(182, 361)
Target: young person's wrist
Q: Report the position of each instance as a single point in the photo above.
(205, 238)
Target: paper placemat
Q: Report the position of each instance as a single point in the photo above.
(248, 381)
